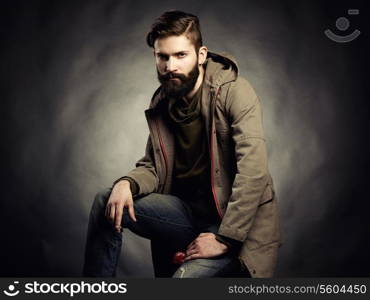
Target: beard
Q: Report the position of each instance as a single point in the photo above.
(182, 85)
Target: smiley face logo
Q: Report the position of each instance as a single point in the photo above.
(342, 24)
(12, 291)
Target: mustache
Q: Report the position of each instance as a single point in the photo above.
(168, 76)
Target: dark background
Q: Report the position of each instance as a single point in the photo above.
(77, 76)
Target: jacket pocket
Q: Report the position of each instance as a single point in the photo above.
(266, 226)
(268, 195)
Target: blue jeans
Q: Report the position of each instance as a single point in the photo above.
(169, 224)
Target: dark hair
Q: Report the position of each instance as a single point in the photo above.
(176, 22)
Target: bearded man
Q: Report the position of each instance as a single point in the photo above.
(203, 187)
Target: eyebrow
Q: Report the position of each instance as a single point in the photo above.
(176, 53)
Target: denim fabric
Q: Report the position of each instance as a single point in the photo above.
(168, 222)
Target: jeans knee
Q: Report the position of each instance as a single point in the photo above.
(193, 270)
(204, 267)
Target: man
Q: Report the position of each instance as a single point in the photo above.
(203, 186)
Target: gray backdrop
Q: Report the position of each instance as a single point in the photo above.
(75, 81)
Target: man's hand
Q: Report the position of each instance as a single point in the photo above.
(120, 198)
(205, 246)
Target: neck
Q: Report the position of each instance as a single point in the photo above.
(198, 83)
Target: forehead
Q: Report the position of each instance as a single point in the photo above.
(173, 44)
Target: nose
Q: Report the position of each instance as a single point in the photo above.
(170, 65)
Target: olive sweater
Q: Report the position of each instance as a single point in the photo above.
(191, 174)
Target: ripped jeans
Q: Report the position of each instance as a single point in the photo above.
(168, 222)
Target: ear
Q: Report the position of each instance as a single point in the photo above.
(153, 52)
(202, 55)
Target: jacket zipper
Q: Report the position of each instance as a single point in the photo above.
(163, 152)
(212, 161)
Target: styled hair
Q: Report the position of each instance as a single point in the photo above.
(176, 23)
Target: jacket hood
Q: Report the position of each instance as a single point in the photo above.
(220, 69)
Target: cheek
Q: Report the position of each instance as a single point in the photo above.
(187, 65)
(160, 67)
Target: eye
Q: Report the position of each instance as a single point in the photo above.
(162, 56)
(181, 55)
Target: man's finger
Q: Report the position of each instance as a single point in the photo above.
(193, 256)
(118, 218)
(191, 244)
(131, 212)
(191, 247)
(191, 251)
(108, 209)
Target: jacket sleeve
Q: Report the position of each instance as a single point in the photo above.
(251, 178)
(233, 245)
(145, 174)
